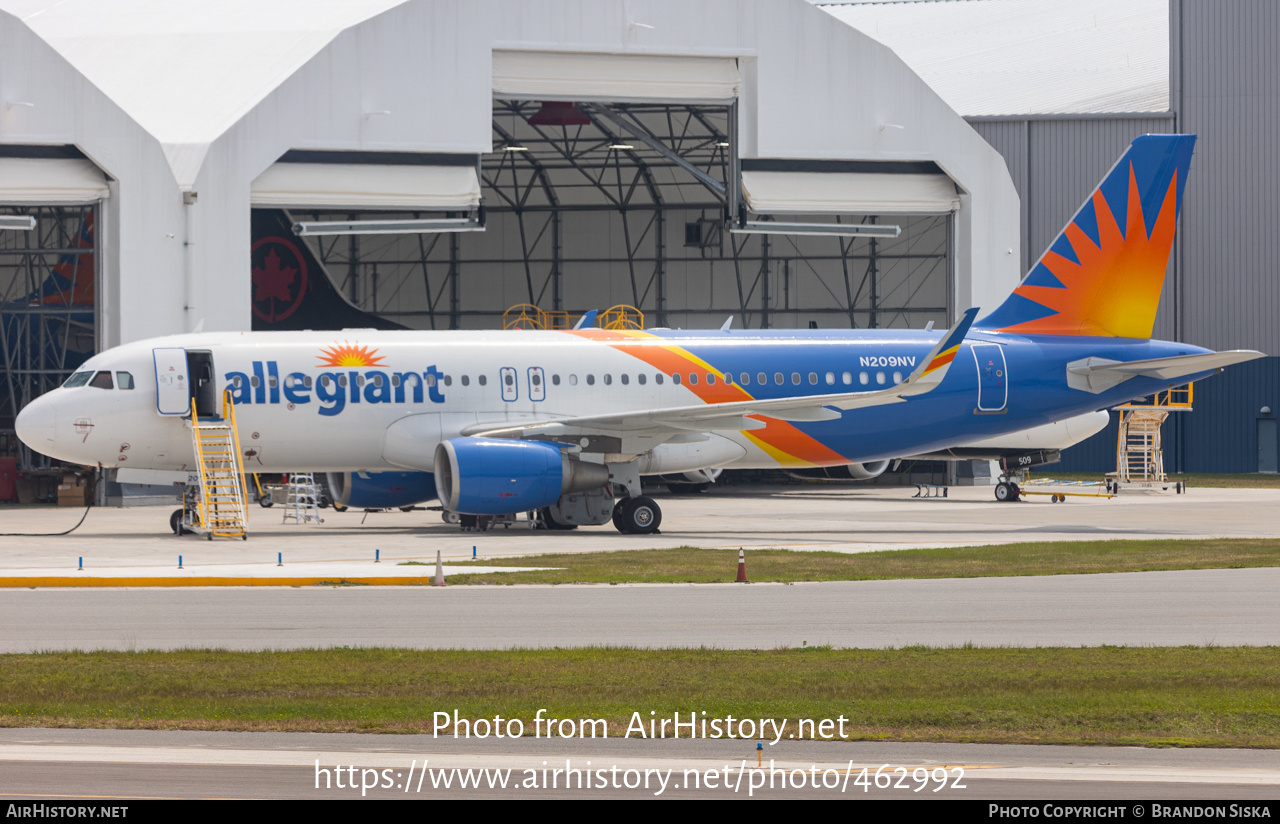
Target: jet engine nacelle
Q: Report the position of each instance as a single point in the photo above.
(380, 490)
(493, 476)
(847, 472)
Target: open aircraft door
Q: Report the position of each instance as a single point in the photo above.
(173, 393)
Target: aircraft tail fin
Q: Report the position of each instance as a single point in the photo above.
(1104, 272)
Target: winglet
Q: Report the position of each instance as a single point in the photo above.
(936, 364)
(587, 320)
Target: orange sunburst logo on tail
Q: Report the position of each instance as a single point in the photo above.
(1115, 288)
(349, 354)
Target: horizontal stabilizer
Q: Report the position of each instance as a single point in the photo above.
(1100, 374)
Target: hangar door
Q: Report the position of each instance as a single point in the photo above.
(615, 179)
(49, 199)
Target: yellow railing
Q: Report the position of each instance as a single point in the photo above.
(229, 415)
(1179, 397)
(195, 430)
(621, 316)
(528, 316)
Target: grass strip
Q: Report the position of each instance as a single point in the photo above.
(693, 565)
(1183, 696)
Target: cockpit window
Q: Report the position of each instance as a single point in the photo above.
(124, 380)
(102, 380)
(78, 379)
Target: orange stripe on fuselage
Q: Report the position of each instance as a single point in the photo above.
(780, 440)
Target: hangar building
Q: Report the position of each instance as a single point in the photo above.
(568, 154)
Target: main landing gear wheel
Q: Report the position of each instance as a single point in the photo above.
(1007, 491)
(637, 516)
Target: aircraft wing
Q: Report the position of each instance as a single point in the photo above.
(734, 416)
(1100, 374)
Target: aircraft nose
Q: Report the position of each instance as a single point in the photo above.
(37, 424)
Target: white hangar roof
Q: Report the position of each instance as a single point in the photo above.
(186, 70)
(1026, 57)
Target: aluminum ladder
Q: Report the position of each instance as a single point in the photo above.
(301, 497)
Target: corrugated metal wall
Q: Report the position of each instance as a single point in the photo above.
(1226, 65)
(1224, 290)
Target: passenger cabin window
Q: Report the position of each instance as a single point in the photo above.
(466, 380)
(675, 378)
(483, 380)
(102, 380)
(641, 378)
(744, 379)
(659, 378)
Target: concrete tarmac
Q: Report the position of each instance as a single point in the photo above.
(129, 545)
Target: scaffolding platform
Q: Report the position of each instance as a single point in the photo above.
(1139, 445)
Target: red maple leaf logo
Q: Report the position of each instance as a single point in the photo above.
(273, 280)
(279, 278)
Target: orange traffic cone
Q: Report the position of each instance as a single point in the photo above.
(742, 567)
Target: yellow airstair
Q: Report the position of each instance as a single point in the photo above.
(222, 510)
(1139, 451)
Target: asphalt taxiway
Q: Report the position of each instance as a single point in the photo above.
(53, 765)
